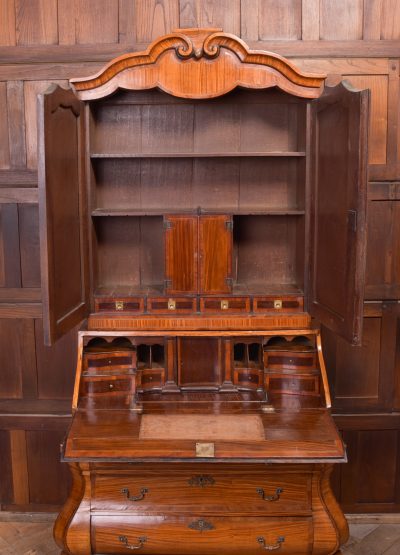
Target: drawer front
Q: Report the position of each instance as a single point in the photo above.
(226, 305)
(151, 379)
(208, 535)
(97, 363)
(290, 359)
(278, 304)
(119, 304)
(296, 384)
(272, 493)
(96, 385)
(173, 305)
(248, 378)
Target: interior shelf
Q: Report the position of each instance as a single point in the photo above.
(160, 212)
(198, 154)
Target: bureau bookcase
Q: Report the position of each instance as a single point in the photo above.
(203, 211)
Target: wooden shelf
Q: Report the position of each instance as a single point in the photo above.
(155, 212)
(198, 154)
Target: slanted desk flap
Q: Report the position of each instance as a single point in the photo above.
(307, 436)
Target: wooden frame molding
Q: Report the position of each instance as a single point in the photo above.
(161, 66)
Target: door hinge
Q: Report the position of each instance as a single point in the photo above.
(167, 283)
(229, 225)
(229, 281)
(168, 224)
(352, 220)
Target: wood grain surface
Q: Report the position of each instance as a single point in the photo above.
(40, 44)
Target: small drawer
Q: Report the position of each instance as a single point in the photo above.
(225, 305)
(200, 491)
(208, 535)
(151, 378)
(296, 384)
(171, 305)
(106, 385)
(248, 378)
(288, 359)
(109, 361)
(119, 304)
(278, 304)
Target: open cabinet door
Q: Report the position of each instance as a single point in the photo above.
(339, 123)
(62, 212)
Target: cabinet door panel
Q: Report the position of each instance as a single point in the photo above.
(62, 212)
(338, 209)
(181, 253)
(215, 246)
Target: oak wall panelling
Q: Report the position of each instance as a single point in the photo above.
(45, 41)
(370, 481)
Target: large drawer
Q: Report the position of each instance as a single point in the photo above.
(261, 493)
(208, 535)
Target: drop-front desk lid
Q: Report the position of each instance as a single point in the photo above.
(308, 435)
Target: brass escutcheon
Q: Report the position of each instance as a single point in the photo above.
(201, 481)
(201, 525)
(119, 305)
(277, 304)
(171, 304)
(224, 305)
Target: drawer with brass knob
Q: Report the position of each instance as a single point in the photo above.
(226, 305)
(103, 385)
(150, 378)
(285, 304)
(171, 305)
(119, 304)
(111, 360)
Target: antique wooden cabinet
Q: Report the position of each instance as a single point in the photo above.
(200, 204)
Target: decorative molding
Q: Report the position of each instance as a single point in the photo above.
(101, 53)
(18, 195)
(18, 178)
(179, 64)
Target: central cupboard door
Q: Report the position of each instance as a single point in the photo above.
(198, 251)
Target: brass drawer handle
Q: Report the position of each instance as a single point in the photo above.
(143, 492)
(273, 497)
(201, 525)
(124, 540)
(201, 481)
(277, 545)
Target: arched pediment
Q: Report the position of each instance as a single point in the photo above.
(199, 63)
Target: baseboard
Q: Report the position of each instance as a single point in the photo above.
(10, 516)
(379, 518)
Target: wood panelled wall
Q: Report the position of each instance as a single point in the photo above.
(45, 41)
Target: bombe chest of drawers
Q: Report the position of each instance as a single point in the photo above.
(202, 211)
